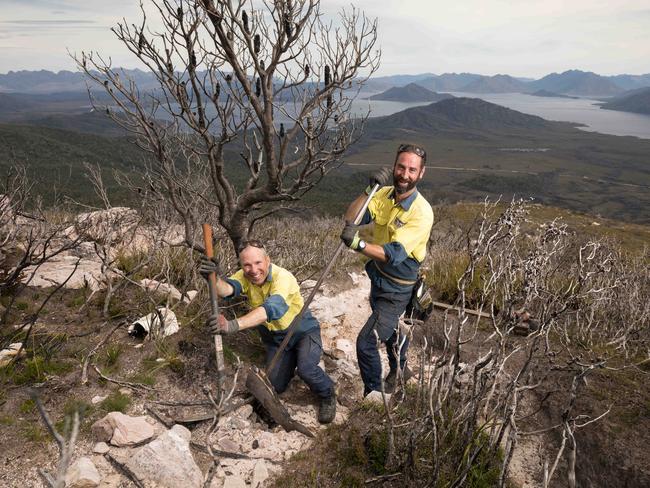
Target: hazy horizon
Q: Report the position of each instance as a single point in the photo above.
(487, 37)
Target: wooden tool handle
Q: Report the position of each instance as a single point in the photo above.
(214, 303)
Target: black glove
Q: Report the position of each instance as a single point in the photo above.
(381, 177)
(350, 236)
(218, 324)
(208, 265)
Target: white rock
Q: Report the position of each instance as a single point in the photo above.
(260, 474)
(308, 284)
(190, 296)
(234, 482)
(82, 474)
(98, 399)
(161, 288)
(122, 430)
(57, 270)
(110, 225)
(375, 398)
(166, 462)
(101, 448)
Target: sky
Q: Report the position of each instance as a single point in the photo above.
(525, 38)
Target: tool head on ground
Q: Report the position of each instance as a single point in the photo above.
(259, 385)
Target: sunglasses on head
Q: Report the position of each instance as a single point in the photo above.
(412, 148)
(250, 243)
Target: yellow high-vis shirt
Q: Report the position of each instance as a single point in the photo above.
(408, 222)
(279, 295)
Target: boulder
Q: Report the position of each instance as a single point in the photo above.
(57, 270)
(122, 430)
(82, 474)
(166, 462)
(161, 288)
(111, 226)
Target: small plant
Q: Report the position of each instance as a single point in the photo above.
(36, 370)
(116, 402)
(34, 433)
(111, 356)
(73, 405)
(22, 306)
(7, 420)
(28, 406)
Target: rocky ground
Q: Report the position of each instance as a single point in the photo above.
(252, 451)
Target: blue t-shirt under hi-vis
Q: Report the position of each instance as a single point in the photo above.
(281, 299)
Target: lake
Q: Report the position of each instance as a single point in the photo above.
(581, 110)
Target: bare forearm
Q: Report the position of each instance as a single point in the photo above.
(255, 317)
(224, 289)
(375, 252)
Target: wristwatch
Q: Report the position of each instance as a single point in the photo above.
(361, 246)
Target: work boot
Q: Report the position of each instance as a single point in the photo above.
(327, 409)
(389, 382)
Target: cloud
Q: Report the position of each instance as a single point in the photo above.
(48, 22)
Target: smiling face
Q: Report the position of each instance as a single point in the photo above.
(255, 263)
(408, 170)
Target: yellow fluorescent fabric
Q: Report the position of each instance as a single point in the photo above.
(282, 283)
(393, 223)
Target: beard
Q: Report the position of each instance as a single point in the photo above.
(400, 190)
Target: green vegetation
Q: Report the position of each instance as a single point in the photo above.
(110, 356)
(28, 406)
(116, 402)
(34, 370)
(34, 433)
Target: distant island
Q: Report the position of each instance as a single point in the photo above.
(410, 93)
(636, 101)
(550, 94)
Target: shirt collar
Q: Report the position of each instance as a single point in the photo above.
(408, 201)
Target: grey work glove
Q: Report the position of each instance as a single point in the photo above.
(207, 266)
(381, 177)
(350, 236)
(218, 324)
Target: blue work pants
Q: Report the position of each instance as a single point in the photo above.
(386, 310)
(302, 357)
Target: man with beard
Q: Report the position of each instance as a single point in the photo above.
(402, 224)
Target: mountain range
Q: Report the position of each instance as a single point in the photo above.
(571, 82)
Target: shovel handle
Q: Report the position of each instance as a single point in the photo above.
(214, 303)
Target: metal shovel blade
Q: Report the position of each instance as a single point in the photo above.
(259, 385)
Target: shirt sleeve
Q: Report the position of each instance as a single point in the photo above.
(238, 283)
(395, 253)
(275, 307)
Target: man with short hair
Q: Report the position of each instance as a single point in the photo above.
(402, 224)
(274, 297)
